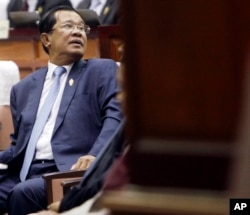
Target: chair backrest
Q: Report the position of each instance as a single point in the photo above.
(9, 75)
(5, 126)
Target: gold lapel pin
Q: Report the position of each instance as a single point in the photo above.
(71, 82)
(106, 10)
(40, 9)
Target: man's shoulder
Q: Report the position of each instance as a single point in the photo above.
(33, 75)
(101, 64)
(99, 61)
(37, 73)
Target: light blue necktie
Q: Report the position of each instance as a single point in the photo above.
(41, 121)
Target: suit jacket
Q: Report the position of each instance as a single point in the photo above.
(109, 14)
(42, 5)
(87, 117)
(16, 5)
(93, 178)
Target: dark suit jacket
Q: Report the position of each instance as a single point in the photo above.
(42, 5)
(88, 115)
(16, 5)
(109, 14)
(93, 179)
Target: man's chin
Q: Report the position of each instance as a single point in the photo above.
(77, 55)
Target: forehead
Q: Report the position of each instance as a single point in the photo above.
(68, 16)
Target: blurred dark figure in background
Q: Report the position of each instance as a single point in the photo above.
(44, 5)
(107, 10)
(35, 5)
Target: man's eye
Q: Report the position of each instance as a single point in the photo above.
(67, 26)
(81, 27)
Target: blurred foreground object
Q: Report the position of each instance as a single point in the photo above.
(187, 72)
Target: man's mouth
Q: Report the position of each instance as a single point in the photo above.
(77, 42)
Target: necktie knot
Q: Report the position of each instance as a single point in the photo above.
(59, 71)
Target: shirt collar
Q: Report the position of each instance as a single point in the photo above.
(51, 68)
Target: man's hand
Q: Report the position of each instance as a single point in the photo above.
(54, 206)
(53, 209)
(83, 162)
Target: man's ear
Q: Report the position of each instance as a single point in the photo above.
(44, 37)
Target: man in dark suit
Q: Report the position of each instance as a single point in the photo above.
(108, 172)
(44, 5)
(37, 5)
(19, 5)
(82, 120)
(109, 14)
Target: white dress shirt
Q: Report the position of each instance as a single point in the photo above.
(99, 7)
(3, 9)
(75, 3)
(32, 5)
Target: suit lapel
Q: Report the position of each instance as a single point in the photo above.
(30, 111)
(36, 88)
(69, 91)
(85, 4)
(108, 8)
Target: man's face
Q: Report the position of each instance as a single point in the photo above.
(67, 41)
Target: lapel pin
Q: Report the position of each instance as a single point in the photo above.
(106, 10)
(71, 82)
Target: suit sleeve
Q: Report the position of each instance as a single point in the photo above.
(110, 108)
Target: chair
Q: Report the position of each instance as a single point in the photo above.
(9, 75)
(58, 183)
(6, 126)
(31, 19)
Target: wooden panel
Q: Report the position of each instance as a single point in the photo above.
(188, 106)
(92, 49)
(135, 201)
(17, 50)
(184, 72)
(110, 38)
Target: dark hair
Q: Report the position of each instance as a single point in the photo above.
(48, 20)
